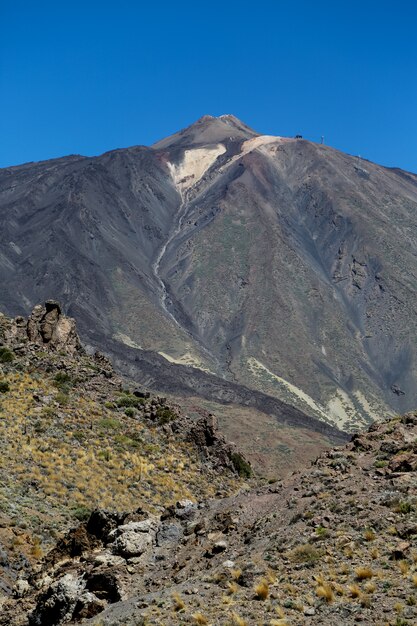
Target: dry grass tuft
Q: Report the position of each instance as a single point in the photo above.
(179, 604)
(232, 588)
(305, 553)
(199, 619)
(365, 601)
(370, 587)
(326, 592)
(238, 621)
(369, 535)
(362, 573)
(354, 591)
(236, 574)
(261, 589)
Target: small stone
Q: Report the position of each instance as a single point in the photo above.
(21, 588)
(309, 610)
(183, 504)
(219, 546)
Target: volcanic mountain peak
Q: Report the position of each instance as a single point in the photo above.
(207, 130)
(238, 253)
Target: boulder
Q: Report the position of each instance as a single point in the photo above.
(169, 534)
(403, 463)
(131, 543)
(57, 603)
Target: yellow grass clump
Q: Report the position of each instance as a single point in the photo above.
(261, 589)
(362, 573)
(325, 592)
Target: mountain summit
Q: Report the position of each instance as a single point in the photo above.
(207, 130)
(263, 269)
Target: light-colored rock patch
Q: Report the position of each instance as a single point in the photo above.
(193, 165)
(258, 142)
(341, 409)
(256, 365)
(126, 340)
(186, 359)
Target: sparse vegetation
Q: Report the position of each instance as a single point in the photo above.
(362, 573)
(6, 355)
(325, 592)
(262, 589)
(242, 467)
(305, 553)
(61, 458)
(4, 386)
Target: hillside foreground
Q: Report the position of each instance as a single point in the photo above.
(175, 536)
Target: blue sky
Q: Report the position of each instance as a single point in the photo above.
(86, 77)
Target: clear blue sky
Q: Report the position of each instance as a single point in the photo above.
(86, 77)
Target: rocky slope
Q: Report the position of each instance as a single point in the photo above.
(75, 436)
(231, 252)
(335, 544)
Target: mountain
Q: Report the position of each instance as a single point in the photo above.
(228, 262)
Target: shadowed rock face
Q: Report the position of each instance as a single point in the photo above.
(276, 264)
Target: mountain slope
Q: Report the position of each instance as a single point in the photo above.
(75, 436)
(334, 544)
(234, 253)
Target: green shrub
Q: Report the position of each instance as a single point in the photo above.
(62, 377)
(4, 386)
(130, 411)
(108, 423)
(62, 398)
(81, 513)
(63, 382)
(125, 441)
(241, 466)
(6, 355)
(404, 507)
(322, 532)
(129, 400)
(165, 415)
(104, 454)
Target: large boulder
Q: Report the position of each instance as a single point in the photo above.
(134, 538)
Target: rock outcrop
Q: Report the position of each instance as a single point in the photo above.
(46, 327)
